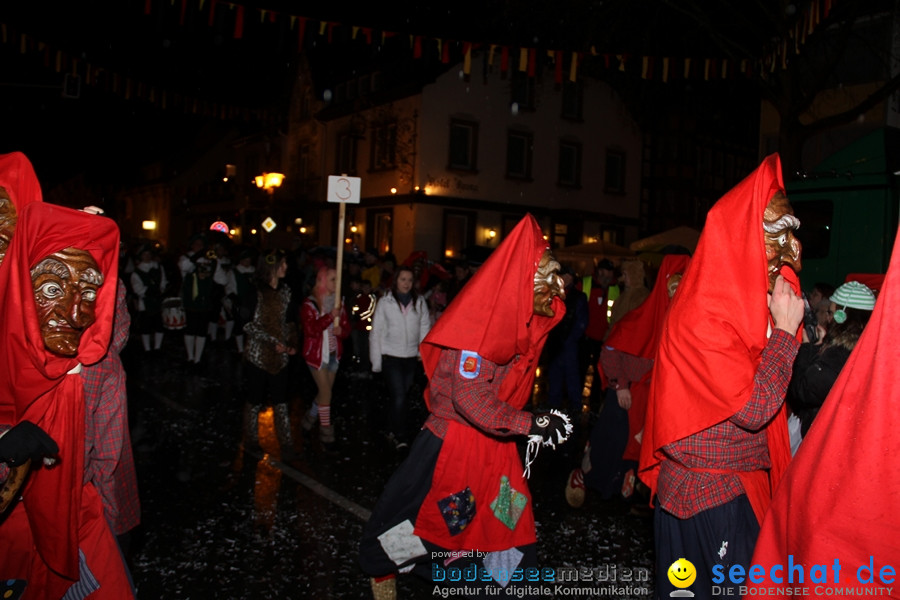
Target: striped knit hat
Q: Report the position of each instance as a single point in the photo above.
(852, 294)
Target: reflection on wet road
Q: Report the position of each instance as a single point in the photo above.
(222, 522)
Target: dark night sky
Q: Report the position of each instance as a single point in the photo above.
(102, 132)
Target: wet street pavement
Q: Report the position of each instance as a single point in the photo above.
(222, 522)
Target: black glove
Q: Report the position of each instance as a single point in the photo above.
(550, 427)
(26, 440)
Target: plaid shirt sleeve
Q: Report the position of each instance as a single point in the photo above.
(122, 321)
(472, 401)
(108, 452)
(701, 470)
(621, 368)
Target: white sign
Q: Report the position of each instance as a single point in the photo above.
(344, 189)
(269, 224)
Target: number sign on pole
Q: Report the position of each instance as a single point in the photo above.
(342, 190)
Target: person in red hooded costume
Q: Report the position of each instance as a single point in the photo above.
(18, 187)
(836, 505)
(461, 498)
(715, 436)
(625, 364)
(56, 312)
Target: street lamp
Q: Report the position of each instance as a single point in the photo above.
(269, 181)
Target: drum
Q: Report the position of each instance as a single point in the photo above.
(173, 315)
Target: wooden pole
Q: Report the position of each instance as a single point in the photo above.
(342, 215)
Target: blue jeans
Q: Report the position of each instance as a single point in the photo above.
(399, 374)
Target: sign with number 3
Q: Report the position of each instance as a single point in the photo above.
(344, 189)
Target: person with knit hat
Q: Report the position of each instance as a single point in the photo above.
(818, 364)
(461, 500)
(715, 438)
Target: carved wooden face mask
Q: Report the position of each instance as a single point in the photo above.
(65, 292)
(782, 247)
(547, 284)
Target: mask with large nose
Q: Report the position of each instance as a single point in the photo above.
(65, 286)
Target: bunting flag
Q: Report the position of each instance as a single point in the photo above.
(467, 59)
(647, 67)
(239, 23)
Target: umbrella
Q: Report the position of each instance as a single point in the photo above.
(685, 237)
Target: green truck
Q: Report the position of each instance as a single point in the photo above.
(848, 209)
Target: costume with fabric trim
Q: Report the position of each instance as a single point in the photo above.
(715, 427)
(41, 537)
(462, 487)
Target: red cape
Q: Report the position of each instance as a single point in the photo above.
(837, 499)
(33, 381)
(18, 177)
(716, 330)
(493, 315)
(638, 332)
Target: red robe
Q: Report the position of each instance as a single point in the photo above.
(837, 500)
(40, 538)
(715, 332)
(493, 315)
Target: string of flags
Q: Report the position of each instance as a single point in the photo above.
(242, 21)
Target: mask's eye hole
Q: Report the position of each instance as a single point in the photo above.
(50, 290)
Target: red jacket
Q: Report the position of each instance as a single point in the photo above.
(314, 326)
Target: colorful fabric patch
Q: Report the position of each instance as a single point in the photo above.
(509, 504)
(401, 544)
(458, 510)
(469, 364)
(502, 564)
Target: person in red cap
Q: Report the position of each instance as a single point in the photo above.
(461, 498)
(833, 523)
(55, 315)
(715, 436)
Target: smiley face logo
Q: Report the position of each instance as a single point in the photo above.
(682, 573)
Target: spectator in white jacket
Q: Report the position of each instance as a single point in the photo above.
(400, 324)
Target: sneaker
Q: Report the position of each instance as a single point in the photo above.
(326, 434)
(396, 442)
(575, 488)
(628, 484)
(309, 421)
